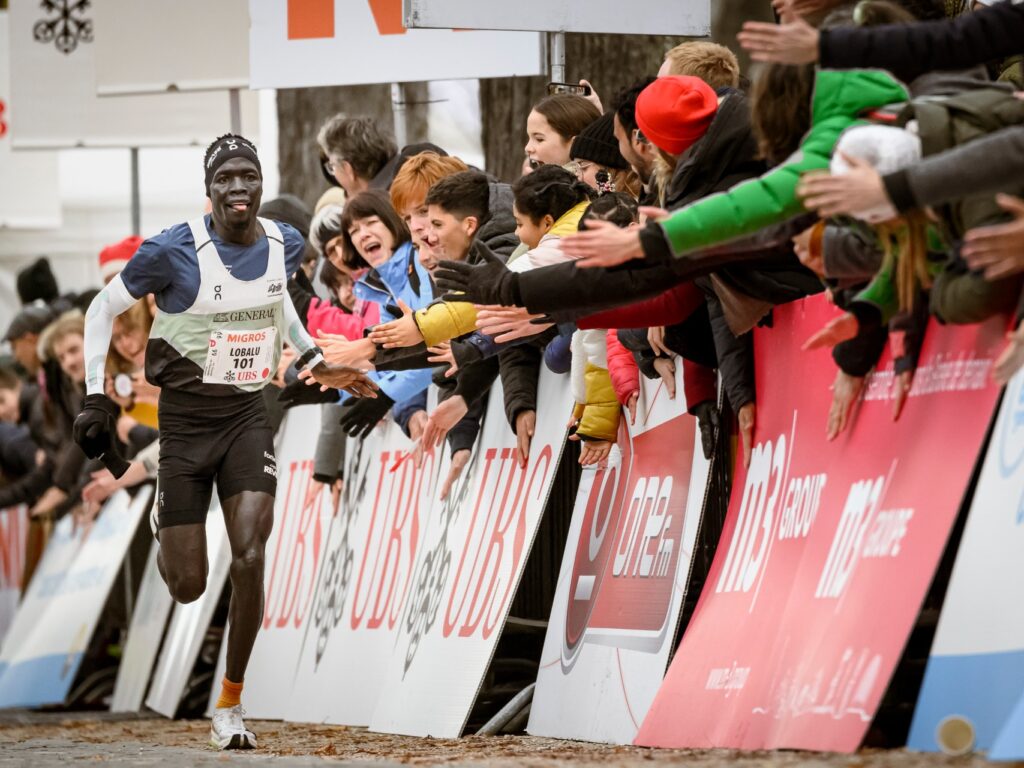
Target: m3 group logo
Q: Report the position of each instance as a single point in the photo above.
(1010, 437)
(627, 556)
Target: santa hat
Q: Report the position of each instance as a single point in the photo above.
(114, 257)
(674, 112)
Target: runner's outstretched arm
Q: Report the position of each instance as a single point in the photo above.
(297, 336)
(99, 327)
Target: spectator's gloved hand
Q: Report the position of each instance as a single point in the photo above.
(709, 421)
(489, 282)
(297, 393)
(360, 415)
(95, 429)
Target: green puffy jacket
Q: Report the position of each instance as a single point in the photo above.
(840, 98)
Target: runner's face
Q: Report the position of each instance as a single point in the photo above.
(372, 240)
(235, 193)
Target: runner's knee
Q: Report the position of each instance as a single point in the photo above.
(247, 562)
(186, 588)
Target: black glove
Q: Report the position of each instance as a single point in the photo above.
(489, 282)
(95, 429)
(709, 421)
(360, 414)
(301, 393)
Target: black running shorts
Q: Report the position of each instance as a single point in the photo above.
(205, 439)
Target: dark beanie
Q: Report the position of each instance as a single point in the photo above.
(289, 209)
(37, 282)
(597, 143)
(225, 148)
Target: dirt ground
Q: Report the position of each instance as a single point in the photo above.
(44, 741)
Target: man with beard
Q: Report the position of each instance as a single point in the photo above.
(223, 313)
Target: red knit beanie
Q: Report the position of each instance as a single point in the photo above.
(114, 257)
(673, 112)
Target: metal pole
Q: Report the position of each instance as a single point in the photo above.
(557, 40)
(398, 111)
(136, 197)
(236, 110)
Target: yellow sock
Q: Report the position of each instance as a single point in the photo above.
(230, 694)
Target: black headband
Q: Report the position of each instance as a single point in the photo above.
(225, 149)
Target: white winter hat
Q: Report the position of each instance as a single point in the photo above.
(885, 148)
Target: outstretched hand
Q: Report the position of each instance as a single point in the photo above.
(998, 249)
(859, 192)
(402, 332)
(489, 282)
(602, 244)
(837, 330)
(352, 380)
(793, 43)
(506, 324)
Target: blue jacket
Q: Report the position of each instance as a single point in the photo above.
(400, 277)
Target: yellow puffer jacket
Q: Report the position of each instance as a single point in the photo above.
(597, 408)
(447, 320)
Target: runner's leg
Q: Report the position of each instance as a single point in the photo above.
(182, 560)
(249, 517)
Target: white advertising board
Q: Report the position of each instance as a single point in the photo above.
(640, 17)
(474, 551)
(365, 580)
(153, 58)
(34, 201)
(308, 43)
(13, 531)
(53, 91)
(42, 665)
(623, 577)
(190, 622)
(975, 672)
(293, 556)
(152, 608)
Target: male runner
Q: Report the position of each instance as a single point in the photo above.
(223, 312)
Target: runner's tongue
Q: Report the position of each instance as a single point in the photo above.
(240, 206)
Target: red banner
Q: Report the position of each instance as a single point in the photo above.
(829, 547)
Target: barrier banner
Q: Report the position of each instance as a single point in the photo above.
(292, 562)
(365, 579)
(623, 577)
(189, 622)
(975, 672)
(307, 43)
(828, 548)
(149, 620)
(53, 90)
(41, 664)
(53, 565)
(474, 551)
(13, 529)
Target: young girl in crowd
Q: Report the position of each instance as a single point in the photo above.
(552, 125)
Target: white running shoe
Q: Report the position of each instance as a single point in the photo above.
(227, 731)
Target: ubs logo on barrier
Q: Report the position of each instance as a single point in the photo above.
(1010, 441)
(495, 543)
(627, 556)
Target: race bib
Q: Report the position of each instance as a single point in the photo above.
(240, 357)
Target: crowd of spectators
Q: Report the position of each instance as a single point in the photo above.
(876, 154)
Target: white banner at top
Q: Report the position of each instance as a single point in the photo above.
(53, 90)
(306, 43)
(34, 201)
(638, 17)
(174, 45)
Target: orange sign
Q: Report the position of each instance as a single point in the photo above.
(310, 19)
